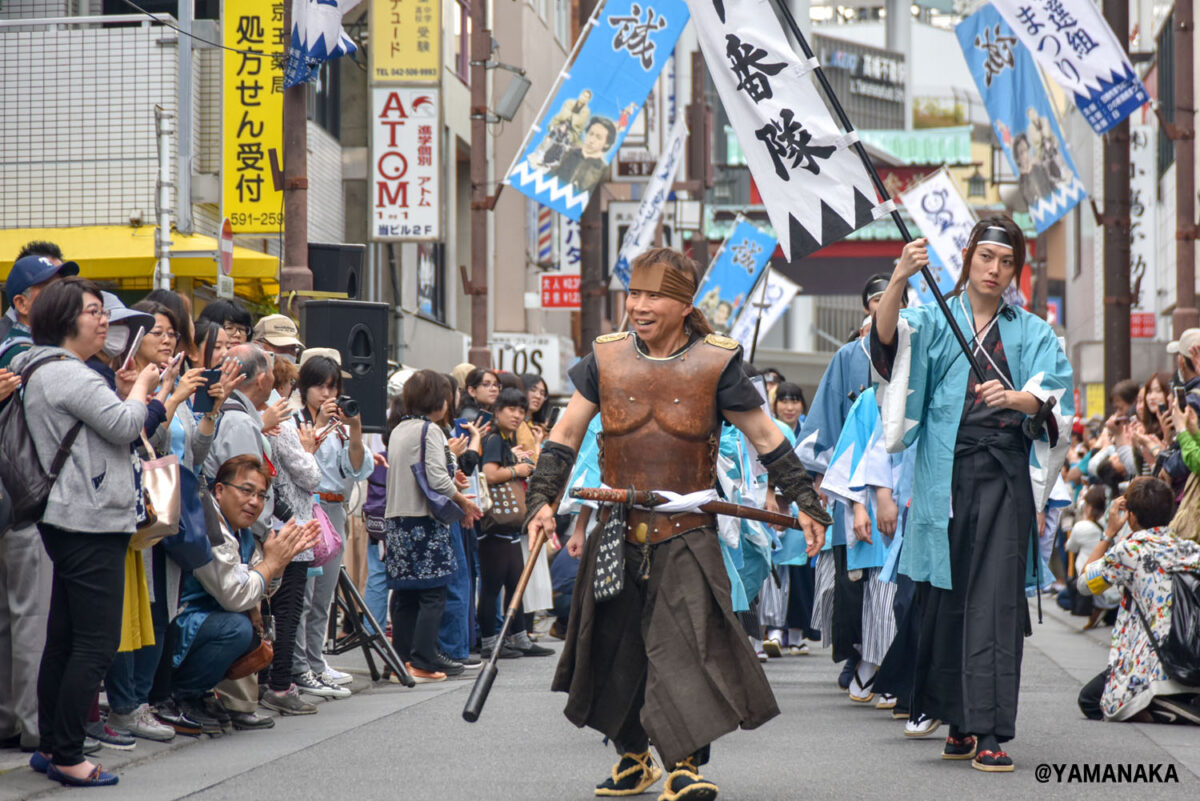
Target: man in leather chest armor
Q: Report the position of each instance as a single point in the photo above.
(657, 656)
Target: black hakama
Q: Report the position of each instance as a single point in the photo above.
(666, 658)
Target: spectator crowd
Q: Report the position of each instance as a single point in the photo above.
(205, 478)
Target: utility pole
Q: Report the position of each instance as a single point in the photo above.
(1184, 135)
(592, 291)
(295, 275)
(1117, 301)
(481, 203)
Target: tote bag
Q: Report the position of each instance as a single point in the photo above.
(329, 543)
(160, 483)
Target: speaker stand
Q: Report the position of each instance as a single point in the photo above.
(355, 615)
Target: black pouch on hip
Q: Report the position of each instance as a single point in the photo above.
(609, 578)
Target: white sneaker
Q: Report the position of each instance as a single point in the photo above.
(335, 678)
(307, 682)
(141, 723)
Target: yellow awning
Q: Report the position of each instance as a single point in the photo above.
(125, 254)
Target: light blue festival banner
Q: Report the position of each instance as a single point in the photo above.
(1079, 51)
(733, 274)
(945, 280)
(1020, 112)
(577, 134)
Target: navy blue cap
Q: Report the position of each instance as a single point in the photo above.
(32, 270)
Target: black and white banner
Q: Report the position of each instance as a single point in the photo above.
(815, 187)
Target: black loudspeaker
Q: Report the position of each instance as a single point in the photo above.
(359, 331)
(337, 267)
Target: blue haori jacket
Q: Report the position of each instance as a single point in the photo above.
(922, 396)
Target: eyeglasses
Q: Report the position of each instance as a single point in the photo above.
(99, 312)
(248, 491)
(163, 333)
(233, 329)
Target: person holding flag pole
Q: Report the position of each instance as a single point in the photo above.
(988, 454)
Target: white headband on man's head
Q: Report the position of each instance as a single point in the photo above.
(996, 235)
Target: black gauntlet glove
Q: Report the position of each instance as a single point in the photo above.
(548, 480)
(792, 481)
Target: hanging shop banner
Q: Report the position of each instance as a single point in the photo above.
(599, 95)
(1143, 244)
(252, 115)
(733, 273)
(941, 213)
(812, 181)
(1020, 112)
(770, 298)
(568, 245)
(406, 41)
(1079, 51)
(317, 37)
(640, 234)
(406, 170)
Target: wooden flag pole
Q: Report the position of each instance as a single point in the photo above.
(880, 188)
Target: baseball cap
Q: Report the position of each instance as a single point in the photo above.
(32, 270)
(1188, 340)
(328, 353)
(278, 330)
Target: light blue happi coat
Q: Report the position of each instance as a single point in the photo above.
(849, 372)
(924, 398)
(860, 463)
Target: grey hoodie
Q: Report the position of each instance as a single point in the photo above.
(94, 492)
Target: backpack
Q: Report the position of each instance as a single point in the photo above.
(26, 483)
(1179, 651)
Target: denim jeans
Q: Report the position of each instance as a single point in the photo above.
(376, 592)
(454, 634)
(221, 639)
(131, 674)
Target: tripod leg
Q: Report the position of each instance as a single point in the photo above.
(357, 607)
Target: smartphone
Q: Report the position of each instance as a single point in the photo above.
(133, 349)
(210, 343)
(175, 360)
(553, 418)
(202, 402)
(1181, 398)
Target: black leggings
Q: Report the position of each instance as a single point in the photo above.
(500, 564)
(82, 633)
(286, 606)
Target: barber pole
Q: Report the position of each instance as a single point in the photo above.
(545, 229)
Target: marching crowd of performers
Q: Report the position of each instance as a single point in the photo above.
(915, 481)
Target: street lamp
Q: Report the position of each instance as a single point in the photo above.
(977, 185)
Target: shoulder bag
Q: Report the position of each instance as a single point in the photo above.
(191, 546)
(443, 509)
(160, 487)
(329, 543)
(507, 512)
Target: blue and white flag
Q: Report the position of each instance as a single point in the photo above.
(944, 218)
(580, 129)
(1076, 48)
(1025, 124)
(640, 234)
(732, 274)
(317, 37)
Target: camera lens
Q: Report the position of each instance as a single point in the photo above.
(348, 405)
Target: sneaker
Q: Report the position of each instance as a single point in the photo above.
(424, 676)
(506, 652)
(194, 709)
(91, 745)
(217, 710)
(632, 775)
(472, 662)
(798, 650)
(773, 647)
(249, 721)
(168, 712)
(307, 682)
(923, 726)
(287, 702)
(109, 737)
(141, 723)
(1177, 706)
(335, 678)
(451, 667)
(686, 784)
(535, 650)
